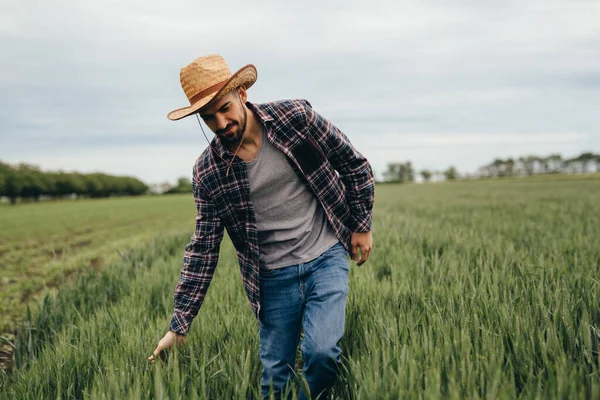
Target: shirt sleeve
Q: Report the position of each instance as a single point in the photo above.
(199, 263)
(354, 169)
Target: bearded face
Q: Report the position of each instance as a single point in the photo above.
(226, 117)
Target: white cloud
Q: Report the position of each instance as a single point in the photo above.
(481, 97)
(99, 77)
(447, 140)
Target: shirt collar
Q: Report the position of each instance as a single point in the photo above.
(258, 109)
(262, 116)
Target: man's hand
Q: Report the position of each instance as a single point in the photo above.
(364, 242)
(165, 343)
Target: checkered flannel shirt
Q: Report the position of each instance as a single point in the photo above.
(339, 176)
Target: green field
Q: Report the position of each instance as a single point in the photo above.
(42, 245)
(473, 290)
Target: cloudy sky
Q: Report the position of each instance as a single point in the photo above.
(86, 85)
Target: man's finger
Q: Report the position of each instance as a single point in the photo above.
(354, 251)
(162, 355)
(155, 354)
(364, 256)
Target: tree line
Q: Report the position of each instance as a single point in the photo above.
(534, 165)
(184, 185)
(405, 172)
(29, 183)
(587, 162)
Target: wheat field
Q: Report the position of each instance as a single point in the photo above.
(473, 290)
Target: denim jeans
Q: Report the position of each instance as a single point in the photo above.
(310, 296)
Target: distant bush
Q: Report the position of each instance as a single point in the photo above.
(28, 182)
(184, 185)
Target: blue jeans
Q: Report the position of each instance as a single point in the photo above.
(310, 296)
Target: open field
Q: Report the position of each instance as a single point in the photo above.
(544, 178)
(41, 245)
(474, 290)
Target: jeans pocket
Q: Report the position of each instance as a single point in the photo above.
(267, 272)
(271, 273)
(336, 249)
(337, 255)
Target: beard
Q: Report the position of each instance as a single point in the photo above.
(237, 134)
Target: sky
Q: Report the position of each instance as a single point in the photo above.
(86, 86)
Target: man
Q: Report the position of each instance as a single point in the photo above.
(295, 198)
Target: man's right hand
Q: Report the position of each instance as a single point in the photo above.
(165, 343)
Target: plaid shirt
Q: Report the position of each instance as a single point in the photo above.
(316, 149)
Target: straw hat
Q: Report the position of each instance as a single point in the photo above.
(209, 78)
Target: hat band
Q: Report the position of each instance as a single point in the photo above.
(206, 92)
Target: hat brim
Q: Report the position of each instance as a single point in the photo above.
(246, 76)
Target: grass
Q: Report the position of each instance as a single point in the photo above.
(544, 177)
(473, 290)
(42, 245)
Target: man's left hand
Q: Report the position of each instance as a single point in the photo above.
(364, 242)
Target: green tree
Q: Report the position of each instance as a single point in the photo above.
(12, 184)
(68, 183)
(134, 187)
(528, 164)
(554, 163)
(451, 173)
(4, 171)
(426, 175)
(399, 172)
(184, 185)
(497, 167)
(509, 166)
(31, 183)
(585, 160)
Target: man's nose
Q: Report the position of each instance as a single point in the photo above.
(221, 121)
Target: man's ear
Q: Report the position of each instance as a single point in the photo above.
(242, 93)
